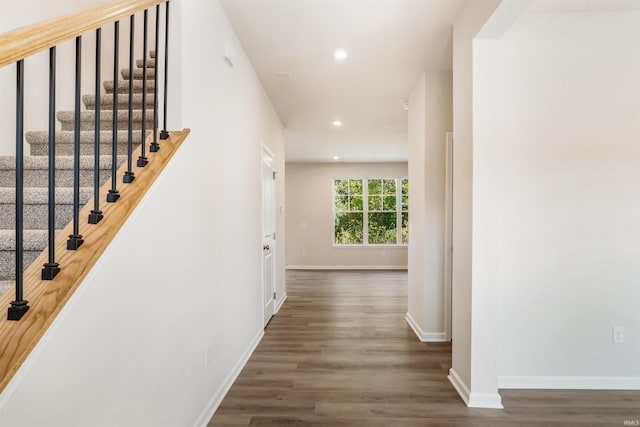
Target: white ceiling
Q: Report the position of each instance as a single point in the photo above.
(389, 42)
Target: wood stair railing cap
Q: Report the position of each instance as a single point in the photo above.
(26, 41)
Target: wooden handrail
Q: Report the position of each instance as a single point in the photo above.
(26, 41)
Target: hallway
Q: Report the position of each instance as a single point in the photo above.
(339, 353)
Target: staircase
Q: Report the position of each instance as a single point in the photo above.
(36, 166)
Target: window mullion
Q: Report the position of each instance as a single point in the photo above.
(398, 212)
(365, 210)
(335, 211)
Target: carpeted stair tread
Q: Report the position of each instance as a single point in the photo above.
(86, 137)
(106, 101)
(6, 286)
(36, 170)
(36, 209)
(33, 240)
(38, 142)
(8, 261)
(87, 119)
(123, 86)
(138, 73)
(62, 162)
(40, 195)
(36, 194)
(151, 63)
(40, 149)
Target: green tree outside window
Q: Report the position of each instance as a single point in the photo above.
(371, 211)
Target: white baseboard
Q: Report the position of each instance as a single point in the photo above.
(474, 400)
(216, 399)
(485, 400)
(570, 383)
(346, 267)
(279, 302)
(459, 385)
(425, 336)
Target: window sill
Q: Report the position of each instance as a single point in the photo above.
(370, 246)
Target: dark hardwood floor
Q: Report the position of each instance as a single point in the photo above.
(339, 353)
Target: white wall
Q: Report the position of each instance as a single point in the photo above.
(546, 174)
(310, 221)
(467, 24)
(430, 117)
(184, 275)
(486, 204)
(569, 168)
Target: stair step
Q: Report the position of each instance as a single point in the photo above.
(40, 149)
(106, 101)
(36, 170)
(35, 241)
(36, 210)
(151, 63)
(138, 73)
(86, 137)
(6, 286)
(123, 86)
(87, 120)
(39, 144)
(40, 196)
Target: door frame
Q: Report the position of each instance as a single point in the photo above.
(268, 154)
(448, 238)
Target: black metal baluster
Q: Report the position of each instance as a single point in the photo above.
(154, 147)
(164, 134)
(75, 239)
(20, 306)
(142, 160)
(51, 268)
(96, 214)
(114, 194)
(129, 175)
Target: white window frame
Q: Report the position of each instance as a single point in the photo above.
(365, 213)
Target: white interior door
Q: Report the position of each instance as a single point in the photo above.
(268, 236)
(448, 237)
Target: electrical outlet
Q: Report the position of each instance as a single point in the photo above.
(618, 334)
(304, 254)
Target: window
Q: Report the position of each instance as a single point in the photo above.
(349, 212)
(371, 211)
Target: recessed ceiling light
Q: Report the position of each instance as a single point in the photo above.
(337, 123)
(336, 158)
(340, 54)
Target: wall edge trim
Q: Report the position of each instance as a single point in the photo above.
(474, 400)
(569, 382)
(424, 336)
(485, 400)
(459, 385)
(279, 303)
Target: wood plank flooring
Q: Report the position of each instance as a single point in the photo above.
(339, 353)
